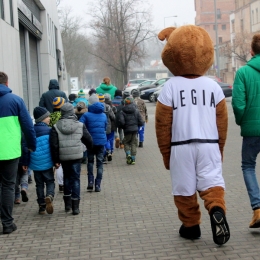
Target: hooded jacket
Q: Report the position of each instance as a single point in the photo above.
(96, 122)
(67, 136)
(130, 119)
(104, 88)
(47, 97)
(14, 117)
(246, 97)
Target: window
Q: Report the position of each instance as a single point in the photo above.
(214, 27)
(218, 14)
(253, 18)
(11, 12)
(219, 39)
(224, 27)
(2, 12)
(242, 25)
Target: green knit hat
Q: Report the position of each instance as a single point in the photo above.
(81, 94)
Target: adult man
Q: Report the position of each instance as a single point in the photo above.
(14, 117)
(140, 104)
(246, 107)
(53, 92)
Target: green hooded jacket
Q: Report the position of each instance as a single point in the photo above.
(104, 88)
(246, 97)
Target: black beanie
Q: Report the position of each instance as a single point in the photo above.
(118, 93)
(40, 113)
(92, 91)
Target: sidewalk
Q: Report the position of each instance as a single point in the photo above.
(134, 216)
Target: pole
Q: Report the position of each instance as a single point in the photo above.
(216, 30)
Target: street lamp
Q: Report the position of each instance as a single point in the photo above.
(168, 17)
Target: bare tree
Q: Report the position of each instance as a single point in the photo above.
(76, 45)
(120, 27)
(58, 2)
(239, 47)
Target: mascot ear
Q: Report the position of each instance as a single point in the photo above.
(165, 33)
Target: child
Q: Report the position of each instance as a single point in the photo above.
(22, 174)
(118, 102)
(81, 98)
(140, 104)
(41, 161)
(111, 136)
(66, 140)
(96, 123)
(72, 98)
(130, 120)
(110, 118)
(80, 109)
(57, 103)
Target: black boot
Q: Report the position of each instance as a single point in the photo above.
(141, 144)
(75, 207)
(97, 185)
(190, 232)
(67, 202)
(219, 226)
(90, 182)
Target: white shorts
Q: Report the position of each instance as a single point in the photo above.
(195, 167)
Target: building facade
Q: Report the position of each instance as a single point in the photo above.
(31, 50)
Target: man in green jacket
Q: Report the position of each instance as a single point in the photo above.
(246, 107)
(106, 87)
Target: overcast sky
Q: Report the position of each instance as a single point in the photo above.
(184, 9)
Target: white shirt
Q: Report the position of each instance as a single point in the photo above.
(194, 104)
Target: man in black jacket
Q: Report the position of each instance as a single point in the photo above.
(53, 92)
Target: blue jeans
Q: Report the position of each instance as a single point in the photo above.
(110, 142)
(8, 171)
(41, 178)
(71, 178)
(97, 151)
(21, 179)
(141, 133)
(250, 150)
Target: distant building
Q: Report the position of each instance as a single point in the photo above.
(31, 51)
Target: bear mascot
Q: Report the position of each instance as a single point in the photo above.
(191, 128)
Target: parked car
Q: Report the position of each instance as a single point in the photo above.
(154, 85)
(148, 94)
(134, 82)
(226, 88)
(129, 90)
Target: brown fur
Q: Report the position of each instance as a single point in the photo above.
(222, 124)
(188, 210)
(163, 127)
(213, 197)
(189, 50)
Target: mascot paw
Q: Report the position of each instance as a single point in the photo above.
(219, 226)
(190, 232)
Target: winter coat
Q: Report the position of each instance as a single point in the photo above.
(104, 88)
(130, 119)
(117, 101)
(80, 100)
(80, 113)
(47, 97)
(95, 121)
(41, 159)
(67, 138)
(246, 97)
(140, 104)
(14, 117)
(54, 116)
(110, 118)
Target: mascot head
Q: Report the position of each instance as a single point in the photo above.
(188, 51)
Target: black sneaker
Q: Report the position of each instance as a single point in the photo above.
(109, 157)
(24, 195)
(61, 188)
(30, 179)
(129, 159)
(9, 230)
(219, 226)
(42, 209)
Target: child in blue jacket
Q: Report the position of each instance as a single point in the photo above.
(41, 161)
